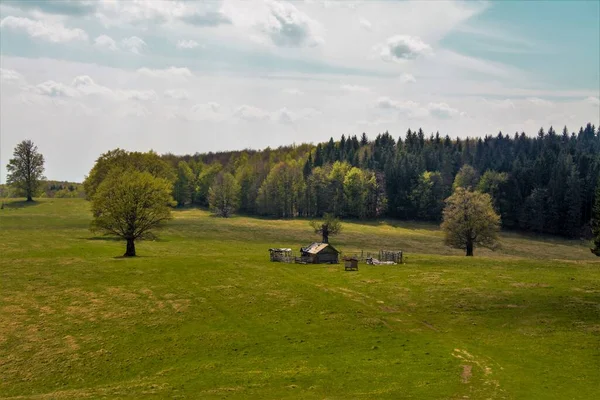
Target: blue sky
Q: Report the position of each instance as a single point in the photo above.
(82, 77)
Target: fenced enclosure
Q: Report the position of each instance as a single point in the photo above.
(381, 257)
(281, 255)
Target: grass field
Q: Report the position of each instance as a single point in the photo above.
(203, 314)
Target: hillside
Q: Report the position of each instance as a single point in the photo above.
(202, 313)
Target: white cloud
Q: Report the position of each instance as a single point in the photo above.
(407, 78)
(135, 110)
(293, 91)
(133, 44)
(210, 111)
(10, 76)
(141, 95)
(285, 116)
(500, 104)
(199, 14)
(187, 44)
(177, 94)
(168, 73)
(443, 110)
(404, 47)
(354, 88)
(106, 42)
(50, 31)
(593, 100)
(286, 26)
(84, 84)
(55, 89)
(250, 113)
(540, 102)
(366, 24)
(408, 108)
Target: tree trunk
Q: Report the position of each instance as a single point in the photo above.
(325, 231)
(29, 198)
(469, 248)
(130, 248)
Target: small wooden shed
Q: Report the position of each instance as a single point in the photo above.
(281, 255)
(350, 263)
(319, 253)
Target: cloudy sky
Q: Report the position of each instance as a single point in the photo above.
(83, 77)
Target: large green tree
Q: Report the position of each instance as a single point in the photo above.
(130, 205)
(470, 221)
(224, 195)
(121, 159)
(26, 169)
(184, 185)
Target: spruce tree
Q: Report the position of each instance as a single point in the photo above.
(596, 221)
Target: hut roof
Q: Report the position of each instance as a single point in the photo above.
(316, 248)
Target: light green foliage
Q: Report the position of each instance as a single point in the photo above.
(26, 169)
(281, 194)
(121, 159)
(470, 221)
(184, 185)
(205, 180)
(318, 198)
(130, 204)
(224, 195)
(336, 187)
(330, 225)
(491, 183)
(355, 191)
(208, 316)
(428, 196)
(466, 178)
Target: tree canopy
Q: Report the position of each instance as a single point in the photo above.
(130, 204)
(470, 221)
(121, 159)
(328, 226)
(26, 169)
(224, 195)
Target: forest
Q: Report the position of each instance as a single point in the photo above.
(543, 183)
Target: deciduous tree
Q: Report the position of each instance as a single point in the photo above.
(26, 169)
(131, 204)
(327, 227)
(224, 195)
(470, 221)
(466, 178)
(124, 160)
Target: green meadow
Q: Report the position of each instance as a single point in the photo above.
(202, 313)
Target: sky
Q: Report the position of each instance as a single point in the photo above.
(80, 78)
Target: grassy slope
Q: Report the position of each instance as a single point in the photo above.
(203, 314)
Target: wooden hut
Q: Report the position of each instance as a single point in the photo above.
(319, 253)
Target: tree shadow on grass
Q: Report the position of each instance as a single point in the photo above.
(20, 204)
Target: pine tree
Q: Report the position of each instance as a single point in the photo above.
(596, 221)
(573, 201)
(364, 140)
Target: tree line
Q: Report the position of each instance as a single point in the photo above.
(542, 184)
(549, 183)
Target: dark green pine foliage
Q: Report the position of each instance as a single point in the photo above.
(596, 221)
(545, 183)
(573, 202)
